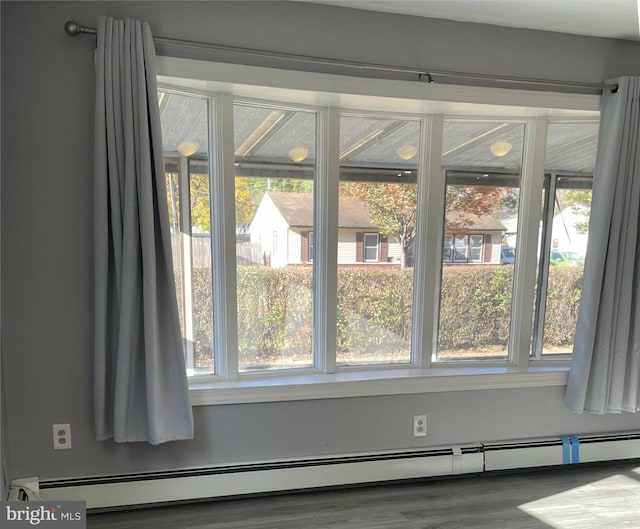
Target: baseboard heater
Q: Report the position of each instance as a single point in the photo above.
(135, 489)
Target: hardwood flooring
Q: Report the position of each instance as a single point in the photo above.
(572, 497)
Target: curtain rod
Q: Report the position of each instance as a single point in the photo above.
(73, 29)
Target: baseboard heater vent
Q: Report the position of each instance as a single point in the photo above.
(287, 475)
(125, 490)
(563, 450)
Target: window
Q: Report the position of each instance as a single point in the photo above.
(475, 248)
(482, 161)
(184, 129)
(564, 233)
(377, 191)
(447, 248)
(375, 236)
(371, 247)
(274, 161)
(464, 248)
(310, 247)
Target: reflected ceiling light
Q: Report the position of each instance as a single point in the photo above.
(406, 152)
(297, 154)
(188, 147)
(500, 148)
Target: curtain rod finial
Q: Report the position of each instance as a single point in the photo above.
(72, 28)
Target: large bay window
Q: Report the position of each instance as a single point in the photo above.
(319, 235)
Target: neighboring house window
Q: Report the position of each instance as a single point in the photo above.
(464, 248)
(460, 247)
(371, 247)
(306, 247)
(476, 243)
(269, 167)
(447, 248)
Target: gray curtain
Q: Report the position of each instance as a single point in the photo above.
(605, 369)
(141, 391)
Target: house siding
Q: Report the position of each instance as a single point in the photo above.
(294, 247)
(270, 230)
(496, 247)
(346, 247)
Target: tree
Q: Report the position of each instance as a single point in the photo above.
(245, 206)
(248, 194)
(464, 203)
(579, 200)
(392, 207)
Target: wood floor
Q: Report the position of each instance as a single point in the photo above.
(572, 497)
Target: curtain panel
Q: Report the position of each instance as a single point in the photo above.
(140, 382)
(605, 370)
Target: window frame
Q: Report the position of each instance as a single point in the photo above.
(547, 241)
(325, 380)
(480, 248)
(375, 247)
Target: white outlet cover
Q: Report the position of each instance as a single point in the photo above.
(61, 436)
(419, 425)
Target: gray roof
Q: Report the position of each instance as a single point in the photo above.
(297, 210)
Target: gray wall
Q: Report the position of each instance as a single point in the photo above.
(47, 99)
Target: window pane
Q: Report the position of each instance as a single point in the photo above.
(460, 249)
(185, 137)
(569, 165)
(482, 162)
(275, 168)
(447, 242)
(371, 247)
(475, 248)
(376, 233)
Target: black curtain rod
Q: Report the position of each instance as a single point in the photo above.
(73, 29)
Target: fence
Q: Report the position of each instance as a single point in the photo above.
(247, 253)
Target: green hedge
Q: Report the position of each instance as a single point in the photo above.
(374, 310)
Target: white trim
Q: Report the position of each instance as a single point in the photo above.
(375, 382)
(365, 93)
(223, 247)
(426, 277)
(529, 216)
(325, 239)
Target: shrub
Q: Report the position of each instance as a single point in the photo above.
(374, 309)
(275, 312)
(475, 306)
(563, 303)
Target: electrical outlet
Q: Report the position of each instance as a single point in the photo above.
(61, 436)
(419, 425)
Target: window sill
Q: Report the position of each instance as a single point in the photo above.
(372, 383)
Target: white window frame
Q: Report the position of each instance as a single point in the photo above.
(310, 247)
(376, 247)
(330, 95)
(447, 249)
(479, 259)
(464, 246)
